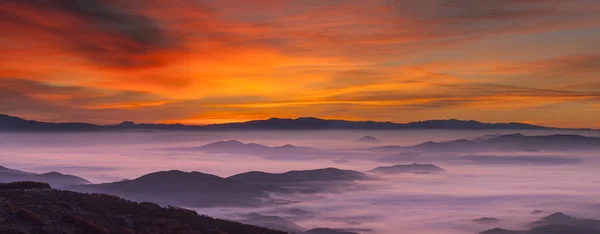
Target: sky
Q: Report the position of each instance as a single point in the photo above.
(214, 61)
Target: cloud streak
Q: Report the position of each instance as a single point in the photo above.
(199, 59)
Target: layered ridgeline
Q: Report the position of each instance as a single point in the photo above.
(410, 168)
(55, 179)
(557, 223)
(11, 123)
(508, 142)
(196, 189)
(33, 208)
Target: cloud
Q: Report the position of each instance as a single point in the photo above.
(104, 32)
(203, 61)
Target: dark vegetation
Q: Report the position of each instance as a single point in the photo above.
(24, 185)
(28, 208)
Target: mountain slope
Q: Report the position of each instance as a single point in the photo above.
(193, 189)
(57, 211)
(557, 223)
(53, 178)
(11, 123)
(299, 176)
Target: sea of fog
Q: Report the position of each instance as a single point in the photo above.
(407, 203)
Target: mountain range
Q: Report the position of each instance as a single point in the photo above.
(410, 168)
(55, 179)
(557, 223)
(12, 123)
(508, 142)
(191, 189)
(196, 189)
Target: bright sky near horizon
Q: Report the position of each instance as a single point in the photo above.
(213, 61)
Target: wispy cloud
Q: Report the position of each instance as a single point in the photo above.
(384, 59)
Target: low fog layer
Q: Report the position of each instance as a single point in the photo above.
(476, 184)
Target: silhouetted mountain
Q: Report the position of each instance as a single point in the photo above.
(237, 147)
(410, 168)
(368, 139)
(10, 123)
(271, 222)
(316, 123)
(510, 142)
(521, 159)
(192, 189)
(301, 176)
(276, 152)
(486, 220)
(57, 211)
(557, 223)
(53, 178)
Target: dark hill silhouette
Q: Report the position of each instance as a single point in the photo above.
(509, 142)
(58, 211)
(193, 189)
(486, 220)
(300, 176)
(557, 223)
(11, 123)
(368, 139)
(410, 168)
(316, 123)
(276, 152)
(521, 159)
(53, 178)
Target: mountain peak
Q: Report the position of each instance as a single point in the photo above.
(558, 217)
(127, 123)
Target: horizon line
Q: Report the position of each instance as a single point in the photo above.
(298, 118)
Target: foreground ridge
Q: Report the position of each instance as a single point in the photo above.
(32, 207)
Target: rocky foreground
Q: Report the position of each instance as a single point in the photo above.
(27, 207)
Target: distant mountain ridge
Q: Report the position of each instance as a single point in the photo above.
(12, 123)
(507, 142)
(53, 178)
(180, 188)
(299, 176)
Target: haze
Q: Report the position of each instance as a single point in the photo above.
(414, 203)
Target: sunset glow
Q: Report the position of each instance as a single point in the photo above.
(215, 61)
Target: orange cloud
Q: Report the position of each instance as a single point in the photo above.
(205, 61)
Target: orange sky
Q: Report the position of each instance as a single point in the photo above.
(210, 61)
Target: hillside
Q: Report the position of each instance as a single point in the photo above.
(53, 178)
(299, 176)
(180, 188)
(55, 211)
(557, 223)
(508, 142)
